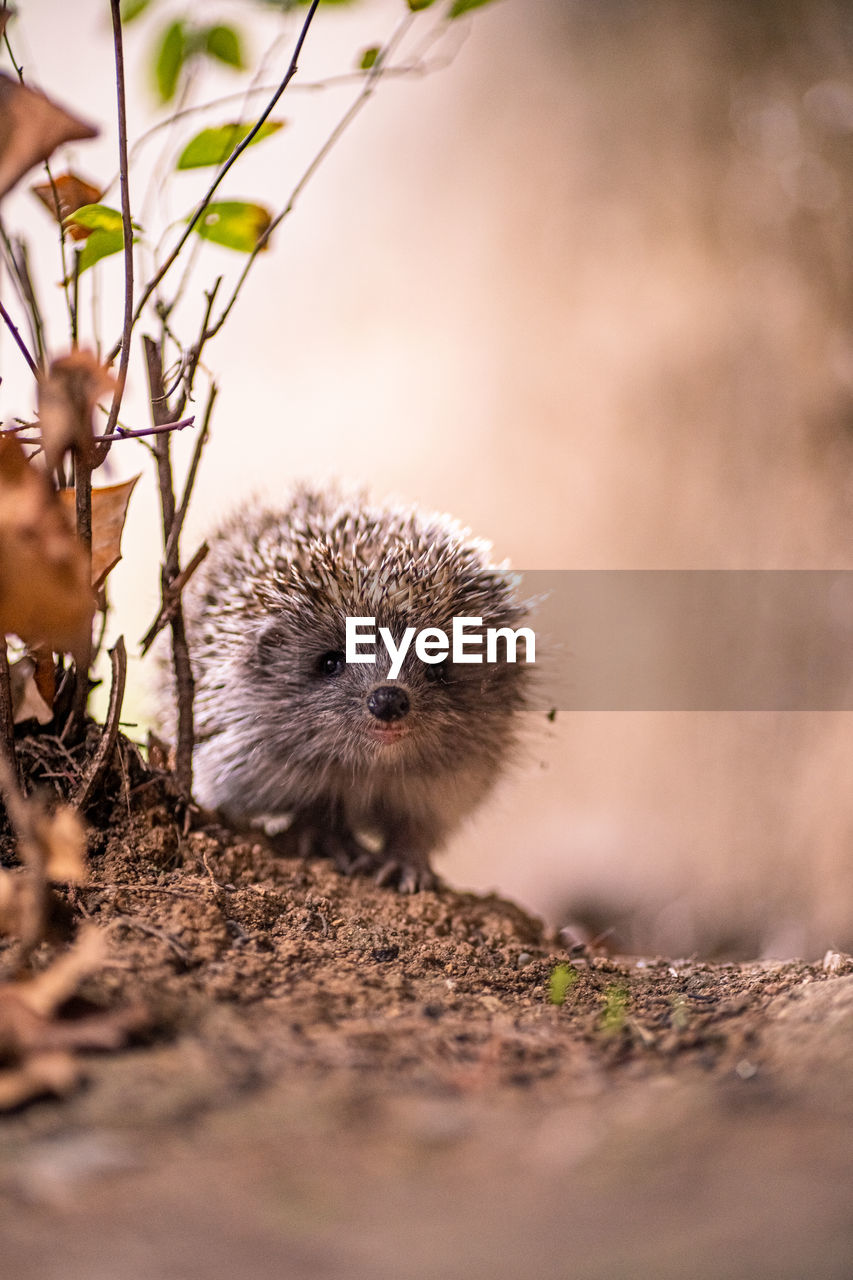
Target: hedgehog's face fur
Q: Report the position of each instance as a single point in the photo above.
(353, 717)
(283, 718)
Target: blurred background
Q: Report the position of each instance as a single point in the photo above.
(587, 287)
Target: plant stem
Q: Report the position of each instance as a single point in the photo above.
(170, 570)
(13, 329)
(115, 8)
(235, 154)
(7, 715)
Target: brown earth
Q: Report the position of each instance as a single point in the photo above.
(334, 1080)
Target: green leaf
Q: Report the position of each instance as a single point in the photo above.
(223, 43)
(214, 146)
(368, 58)
(96, 217)
(100, 244)
(236, 224)
(417, 5)
(462, 6)
(130, 9)
(170, 59)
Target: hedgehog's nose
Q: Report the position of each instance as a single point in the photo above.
(388, 702)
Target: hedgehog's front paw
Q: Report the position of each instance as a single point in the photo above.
(409, 873)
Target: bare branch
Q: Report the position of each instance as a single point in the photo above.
(83, 660)
(13, 329)
(373, 77)
(19, 268)
(7, 713)
(98, 766)
(235, 154)
(195, 355)
(122, 433)
(161, 414)
(173, 595)
(127, 433)
(417, 67)
(201, 440)
(127, 227)
(184, 683)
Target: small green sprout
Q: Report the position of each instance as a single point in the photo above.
(563, 978)
(615, 1005)
(680, 1015)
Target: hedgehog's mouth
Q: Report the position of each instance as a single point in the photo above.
(387, 734)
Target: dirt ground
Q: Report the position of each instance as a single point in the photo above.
(329, 1079)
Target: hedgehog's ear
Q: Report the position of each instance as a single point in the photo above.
(267, 643)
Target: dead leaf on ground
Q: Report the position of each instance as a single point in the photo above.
(68, 394)
(36, 1044)
(44, 993)
(45, 595)
(27, 700)
(109, 512)
(31, 128)
(54, 1073)
(63, 838)
(16, 903)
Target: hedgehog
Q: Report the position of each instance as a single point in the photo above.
(371, 770)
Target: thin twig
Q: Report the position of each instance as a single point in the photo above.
(201, 440)
(162, 416)
(126, 433)
(83, 512)
(373, 77)
(94, 774)
(413, 68)
(133, 922)
(123, 433)
(70, 300)
(115, 9)
(7, 713)
(122, 887)
(195, 353)
(13, 329)
(72, 307)
(170, 569)
(16, 255)
(171, 600)
(224, 169)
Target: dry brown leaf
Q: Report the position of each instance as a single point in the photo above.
(55, 1072)
(109, 511)
(45, 596)
(70, 192)
(9, 12)
(63, 837)
(43, 994)
(68, 393)
(27, 700)
(45, 673)
(31, 128)
(15, 902)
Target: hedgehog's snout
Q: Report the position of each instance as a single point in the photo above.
(388, 702)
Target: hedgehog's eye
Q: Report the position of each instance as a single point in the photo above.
(438, 672)
(330, 663)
